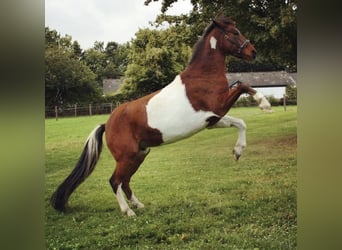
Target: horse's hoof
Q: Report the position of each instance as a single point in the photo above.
(140, 205)
(130, 213)
(136, 204)
(236, 155)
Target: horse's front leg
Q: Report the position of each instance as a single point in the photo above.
(262, 102)
(229, 121)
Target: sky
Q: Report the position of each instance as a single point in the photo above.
(87, 21)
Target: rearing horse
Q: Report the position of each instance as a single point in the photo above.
(198, 98)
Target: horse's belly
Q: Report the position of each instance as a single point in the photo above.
(171, 112)
(176, 127)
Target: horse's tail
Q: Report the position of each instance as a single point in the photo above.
(84, 167)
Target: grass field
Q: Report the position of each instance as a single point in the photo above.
(196, 195)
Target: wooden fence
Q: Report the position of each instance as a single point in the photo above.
(91, 109)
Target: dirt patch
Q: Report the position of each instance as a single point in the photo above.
(290, 141)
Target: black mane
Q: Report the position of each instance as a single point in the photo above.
(200, 43)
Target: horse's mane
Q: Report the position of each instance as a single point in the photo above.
(200, 43)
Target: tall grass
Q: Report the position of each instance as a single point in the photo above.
(196, 195)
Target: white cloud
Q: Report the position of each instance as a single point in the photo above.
(88, 21)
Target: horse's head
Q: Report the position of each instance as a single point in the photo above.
(233, 42)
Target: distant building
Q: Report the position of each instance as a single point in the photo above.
(269, 83)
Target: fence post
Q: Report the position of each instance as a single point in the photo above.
(56, 113)
(90, 113)
(75, 106)
(111, 107)
(284, 101)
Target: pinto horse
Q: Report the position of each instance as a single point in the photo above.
(198, 98)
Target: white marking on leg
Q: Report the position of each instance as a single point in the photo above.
(213, 42)
(262, 101)
(122, 202)
(135, 202)
(241, 141)
(229, 121)
(171, 112)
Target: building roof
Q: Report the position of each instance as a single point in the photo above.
(255, 79)
(264, 79)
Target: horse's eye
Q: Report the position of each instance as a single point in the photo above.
(236, 32)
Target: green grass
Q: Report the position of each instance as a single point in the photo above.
(196, 195)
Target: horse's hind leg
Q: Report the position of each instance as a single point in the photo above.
(119, 181)
(126, 187)
(130, 195)
(121, 200)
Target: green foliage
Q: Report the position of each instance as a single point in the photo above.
(77, 51)
(155, 58)
(238, 65)
(196, 195)
(75, 76)
(54, 40)
(108, 62)
(274, 101)
(117, 59)
(95, 59)
(291, 95)
(245, 101)
(67, 79)
(248, 101)
(270, 25)
(51, 37)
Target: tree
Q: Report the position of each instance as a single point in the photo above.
(108, 62)
(270, 25)
(67, 79)
(77, 51)
(110, 50)
(98, 46)
(116, 58)
(291, 95)
(155, 58)
(95, 59)
(54, 40)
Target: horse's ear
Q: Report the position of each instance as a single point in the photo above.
(220, 13)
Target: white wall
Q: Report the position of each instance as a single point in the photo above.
(277, 92)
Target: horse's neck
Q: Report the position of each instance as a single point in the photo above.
(209, 62)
